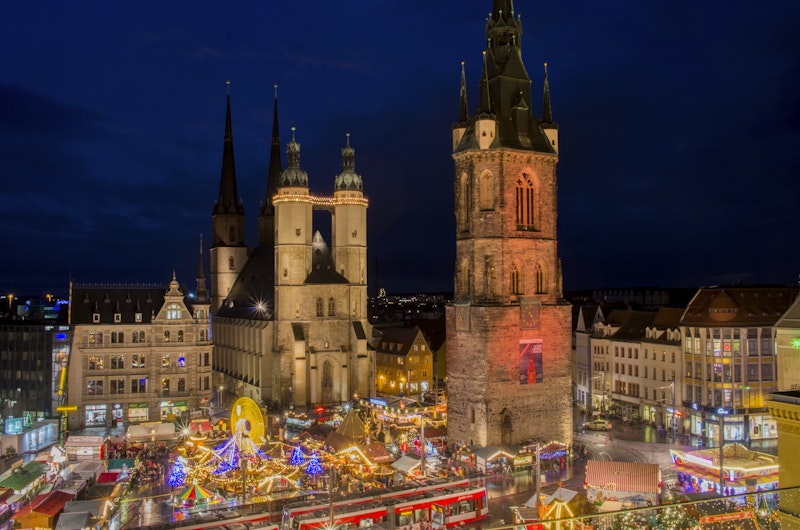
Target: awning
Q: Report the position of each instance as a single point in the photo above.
(406, 464)
(203, 425)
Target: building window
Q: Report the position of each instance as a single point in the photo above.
(525, 197)
(117, 386)
(180, 335)
(181, 384)
(139, 386)
(165, 360)
(181, 360)
(117, 362)
(205, 359)
(141, 337)
(205, 383)
(541, 286)
(319, 307)
(331, 307)
(766, 372)
(486, 191)
(516, 283)
(94, 387)
(138, 317)
(230, 263)
(95, 362)
(137, 361)
(95, 318)
(117, 318)
(174, 312)
(95, 337)
(166, 336)
(165, 386)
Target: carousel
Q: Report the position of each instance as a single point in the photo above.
(242, 465)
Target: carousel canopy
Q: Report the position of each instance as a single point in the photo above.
(352, 427)
(194, 492)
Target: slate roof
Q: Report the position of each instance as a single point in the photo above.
(256, 283)
(323, 270)
(397, 341)
(125, 299)
(635, 325)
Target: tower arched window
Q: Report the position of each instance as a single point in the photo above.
(166, 336)
(463, 203)
(487, 191)
(232, 234)
(516, 279)
(331, 307)
(230, 262)
(541, 279)
(319, 307)
(525, 203)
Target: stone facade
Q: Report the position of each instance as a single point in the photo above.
(509, 336)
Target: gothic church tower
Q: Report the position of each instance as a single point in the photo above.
(228, 250)
(509, 328)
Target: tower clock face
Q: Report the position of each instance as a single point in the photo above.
(530, 314)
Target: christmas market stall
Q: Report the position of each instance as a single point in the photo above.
(492, 459)
(745, 470)
(613, 486)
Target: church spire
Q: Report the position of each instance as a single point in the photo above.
(266, 214)
(547, 111)
(202, 291)
(464, 115)
(228, 201)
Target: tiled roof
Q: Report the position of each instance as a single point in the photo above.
(623, 476)
(738, 306)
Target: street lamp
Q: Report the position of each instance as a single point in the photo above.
(221, 397)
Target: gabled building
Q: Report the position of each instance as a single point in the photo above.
(403, 363)
(730, 357)
(140, 352)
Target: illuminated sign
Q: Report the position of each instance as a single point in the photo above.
(67, 408)
(14, 425)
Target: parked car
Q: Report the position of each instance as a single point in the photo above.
(597, 425)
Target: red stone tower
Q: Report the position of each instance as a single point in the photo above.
(509, 328)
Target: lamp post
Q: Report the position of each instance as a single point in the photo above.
(674, 420)
(721, 415)
(221, 397)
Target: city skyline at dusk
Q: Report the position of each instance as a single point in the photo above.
(678, 133)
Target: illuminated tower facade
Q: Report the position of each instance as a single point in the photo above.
(509, 328)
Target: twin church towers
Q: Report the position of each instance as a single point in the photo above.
(290, 315)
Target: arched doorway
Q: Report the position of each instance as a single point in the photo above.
(506, 429)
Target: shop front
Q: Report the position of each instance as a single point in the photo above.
(138, 413)
(171, 410)
(117, 414)
(95, 415)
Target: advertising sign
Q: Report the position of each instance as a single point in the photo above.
(530, 361)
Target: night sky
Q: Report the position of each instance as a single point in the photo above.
(679, 132)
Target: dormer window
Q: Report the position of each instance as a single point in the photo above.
(138, 317)
(117, 318)
(95, 318)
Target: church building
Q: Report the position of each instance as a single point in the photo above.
(290, 314)
(509, 327)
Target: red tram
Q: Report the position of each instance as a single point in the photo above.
(439, 508)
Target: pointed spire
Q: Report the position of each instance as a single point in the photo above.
(464, 114)
(228, 195)
(486, 100)
(202, 291)
(547, 111)
(275, 168)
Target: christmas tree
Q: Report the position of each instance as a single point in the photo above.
(178, 475)
(314, 468)
(298, 457)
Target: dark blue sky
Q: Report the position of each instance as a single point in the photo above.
(679, 131)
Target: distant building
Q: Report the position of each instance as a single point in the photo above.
(139, 353)
(509, 328)
(290, 314)
(403, 363)
(730, 359)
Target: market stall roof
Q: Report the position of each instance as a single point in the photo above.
(371, 454)
(561, 495)
(201, 425)
(339, 442)
(84, 441)
(22, 476)
(109, 477)
(73, 521)
(623, 476)
(118, 464)
(151, 431)
(352, 427)
(50, 503)
(406, 464)
(490, 452)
